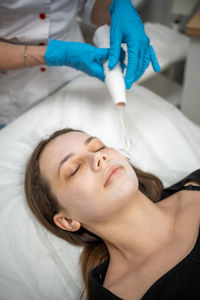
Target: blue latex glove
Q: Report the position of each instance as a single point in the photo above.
(127, 27)
(80, 56)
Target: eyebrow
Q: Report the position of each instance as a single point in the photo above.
(86, 142)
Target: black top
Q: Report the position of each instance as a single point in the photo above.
(182, 282)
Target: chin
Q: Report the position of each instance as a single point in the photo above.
(124, 189)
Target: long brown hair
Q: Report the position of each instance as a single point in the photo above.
(44, 206)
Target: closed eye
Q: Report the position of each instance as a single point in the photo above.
(100, 149)
(75, 171)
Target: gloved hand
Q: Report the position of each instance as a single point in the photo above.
(127, 27)
(80, 56)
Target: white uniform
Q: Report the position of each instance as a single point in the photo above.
(34, 22)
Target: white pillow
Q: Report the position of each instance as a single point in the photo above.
(34, 264)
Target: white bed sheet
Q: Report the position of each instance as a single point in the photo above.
(34, 264)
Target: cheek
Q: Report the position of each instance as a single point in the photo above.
(132, 180)
(81, 198)
(131, 175)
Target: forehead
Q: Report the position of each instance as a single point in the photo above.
(67, 140)
(59, 147)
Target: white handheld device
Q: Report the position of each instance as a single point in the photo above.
(114, 81)
(114, 78)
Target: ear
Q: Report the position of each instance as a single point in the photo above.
(65, 223)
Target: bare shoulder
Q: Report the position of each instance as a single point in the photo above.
(184, 204)
(192, 195)
(190, 201)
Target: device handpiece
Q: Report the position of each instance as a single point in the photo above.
(114, 81)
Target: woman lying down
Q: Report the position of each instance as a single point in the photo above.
(140, 241)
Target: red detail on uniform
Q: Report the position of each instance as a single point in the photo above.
(42, 16)
(41, 44)
(42, 69)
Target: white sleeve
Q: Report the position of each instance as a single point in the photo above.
(85, 9)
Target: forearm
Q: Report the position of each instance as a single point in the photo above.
(100, 13)
(12, 56)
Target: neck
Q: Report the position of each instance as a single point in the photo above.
(138, 231)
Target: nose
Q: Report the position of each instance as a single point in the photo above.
(98, 160)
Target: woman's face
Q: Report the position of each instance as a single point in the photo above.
(91, 181)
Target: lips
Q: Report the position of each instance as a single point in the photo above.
(111, 171)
